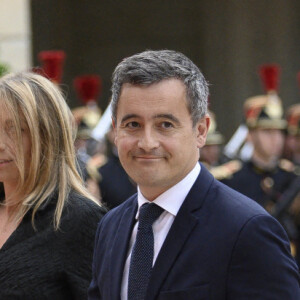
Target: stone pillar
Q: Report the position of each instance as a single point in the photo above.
(15, 34)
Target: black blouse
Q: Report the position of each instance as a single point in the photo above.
(49, 264)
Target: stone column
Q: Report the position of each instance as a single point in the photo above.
(15, 34)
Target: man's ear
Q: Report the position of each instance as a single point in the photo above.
(202, 129)
(114, 126)
(113, 123)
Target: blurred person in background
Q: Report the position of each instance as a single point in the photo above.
(211, 153)
(264, 173)
(47, 218)
(86, 146)
(293, 144)
(293, 134)
(88, 88)
(265, 177)
(108, 180)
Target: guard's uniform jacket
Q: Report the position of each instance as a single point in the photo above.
(265, 187)
(114, 183)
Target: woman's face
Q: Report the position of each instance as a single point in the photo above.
(8, 144)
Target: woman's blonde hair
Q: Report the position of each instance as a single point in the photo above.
(53, 165)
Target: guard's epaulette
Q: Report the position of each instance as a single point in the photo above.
(226, 170)
(93, 164)
(286, 165)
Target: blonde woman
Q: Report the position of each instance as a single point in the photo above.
(47, 218)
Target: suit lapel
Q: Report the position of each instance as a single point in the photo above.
(180, 231)
(120, 248)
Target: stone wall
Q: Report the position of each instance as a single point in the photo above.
(228, 40)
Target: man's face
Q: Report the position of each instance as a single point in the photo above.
(155, 137)
(268, 143)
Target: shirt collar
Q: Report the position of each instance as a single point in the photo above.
(177, 193)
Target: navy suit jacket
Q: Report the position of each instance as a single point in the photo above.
(222, 245)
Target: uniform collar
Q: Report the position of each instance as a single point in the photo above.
(259, 170)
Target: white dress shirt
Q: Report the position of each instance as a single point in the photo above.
(171, 201)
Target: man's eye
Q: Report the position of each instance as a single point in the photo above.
(133, 125)
(166, 125)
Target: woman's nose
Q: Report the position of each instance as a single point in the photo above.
(2, 142)
(2, 146)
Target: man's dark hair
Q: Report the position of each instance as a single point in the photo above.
(151, 67)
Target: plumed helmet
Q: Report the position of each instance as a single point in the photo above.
(88, 89)
(265, 111)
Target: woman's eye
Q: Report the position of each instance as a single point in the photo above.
(11, 129)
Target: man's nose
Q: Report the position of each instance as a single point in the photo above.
(148, 140)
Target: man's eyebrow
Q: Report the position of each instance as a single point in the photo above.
(167, 116)
(158, 116)
(129, 116)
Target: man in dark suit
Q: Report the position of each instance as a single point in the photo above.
(207, 241)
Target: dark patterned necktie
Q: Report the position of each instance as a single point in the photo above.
(142, 253)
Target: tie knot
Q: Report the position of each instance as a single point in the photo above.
(149, 212)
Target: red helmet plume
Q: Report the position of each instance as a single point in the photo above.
(88, 87)
(270, 77)
(52, 64)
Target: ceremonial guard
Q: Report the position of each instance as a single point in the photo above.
(87, 116)
(265, 177)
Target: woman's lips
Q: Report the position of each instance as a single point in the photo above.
(5, 161)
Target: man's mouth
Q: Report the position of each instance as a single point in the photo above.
(148, 158)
